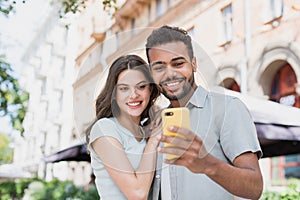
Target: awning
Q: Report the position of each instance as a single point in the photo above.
(73, 153)
(278, 126)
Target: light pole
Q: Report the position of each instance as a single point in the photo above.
(244, 66)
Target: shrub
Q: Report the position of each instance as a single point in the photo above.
(292, 192)
(38, 189)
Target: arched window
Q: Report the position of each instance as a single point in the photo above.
(283, 89)
(231, 84)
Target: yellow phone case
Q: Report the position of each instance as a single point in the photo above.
(177, 117)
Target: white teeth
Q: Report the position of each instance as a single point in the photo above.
(172, 84)
(134, 103)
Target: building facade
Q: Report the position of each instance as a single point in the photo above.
(247, 46)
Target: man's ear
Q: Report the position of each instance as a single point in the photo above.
(194, 64)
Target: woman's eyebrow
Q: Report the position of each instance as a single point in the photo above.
(141, 82)
(122, 84)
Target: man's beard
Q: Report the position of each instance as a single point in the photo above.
(187, 87)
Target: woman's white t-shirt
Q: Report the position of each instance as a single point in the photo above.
(134, 149)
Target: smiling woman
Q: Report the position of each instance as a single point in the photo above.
(122, 157)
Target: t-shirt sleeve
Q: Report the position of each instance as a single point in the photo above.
(239, 133)
(104, 127)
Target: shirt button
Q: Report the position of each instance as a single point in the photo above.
(157, 176)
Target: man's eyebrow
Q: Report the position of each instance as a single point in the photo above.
(178, 58)
(161, 62)
(157, 63)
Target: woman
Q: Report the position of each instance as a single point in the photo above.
(122, 157)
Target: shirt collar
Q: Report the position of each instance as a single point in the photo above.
(198, 98)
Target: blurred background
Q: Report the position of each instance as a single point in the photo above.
(55, 54)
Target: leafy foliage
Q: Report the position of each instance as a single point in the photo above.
(110, 6)
(12, 98)
(292, 192)
(7, 6)
(67, 6)
(39, 189)
(6, 152)
(74, 6)
(71, 6)
(7, 190)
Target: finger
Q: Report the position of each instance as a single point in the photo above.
(156, 131)
(171, 150)
(189, 135)
(176, 141)
(158, 121)
(175, 161)
(155, 124)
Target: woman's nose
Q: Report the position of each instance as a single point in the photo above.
(133, 93)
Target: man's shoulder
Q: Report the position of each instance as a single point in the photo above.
(221, 96)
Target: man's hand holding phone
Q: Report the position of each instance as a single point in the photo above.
(181, 145)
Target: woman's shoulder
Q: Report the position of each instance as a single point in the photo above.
(105, 124)
(106, 120)
(105, 127)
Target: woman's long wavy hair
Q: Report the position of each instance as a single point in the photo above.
(106, 105)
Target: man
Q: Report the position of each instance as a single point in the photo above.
(219, 157)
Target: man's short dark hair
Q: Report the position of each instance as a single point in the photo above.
(167, 34)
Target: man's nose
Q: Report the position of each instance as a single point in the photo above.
(170, 72)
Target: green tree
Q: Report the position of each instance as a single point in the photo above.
(67, 6)
(13, 99)
(74, 6)
(7, 6)
(6, 153)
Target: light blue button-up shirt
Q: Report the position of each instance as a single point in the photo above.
(227, 129)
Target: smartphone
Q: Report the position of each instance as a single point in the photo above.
(174, 117)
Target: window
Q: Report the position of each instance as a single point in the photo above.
(43, 86)
(283, 91)
(231, 84)
(133, 27)
(149, 13)
(60, 100)
(169, 4)
(274, 11)
(227, 23)
(159, 8)
(276, 8)
(117, 40)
